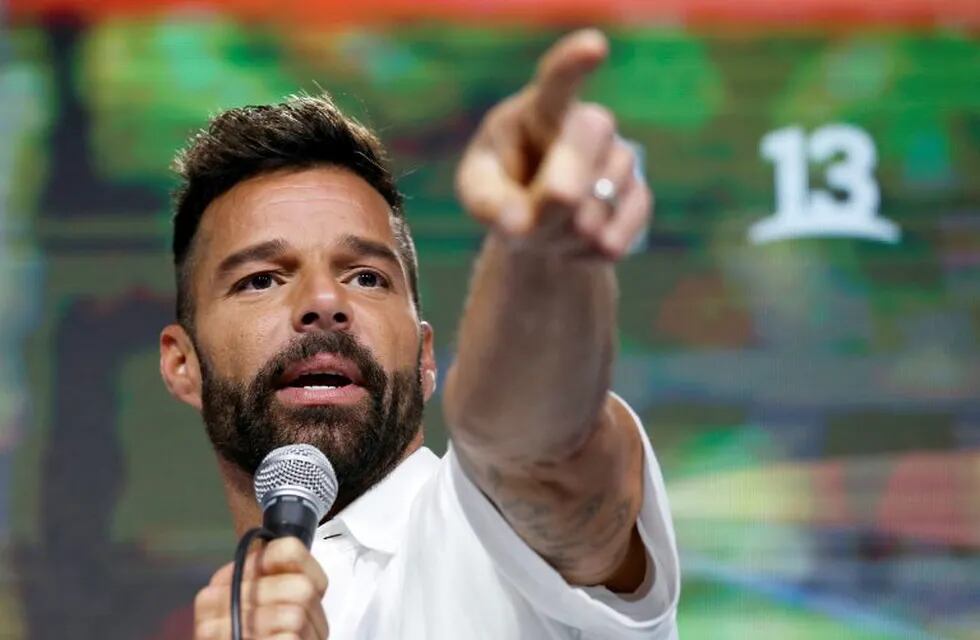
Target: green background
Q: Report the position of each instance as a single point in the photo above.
(815, 402)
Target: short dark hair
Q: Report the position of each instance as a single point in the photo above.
(300, 133)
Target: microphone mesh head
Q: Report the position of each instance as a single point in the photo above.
(297, 469)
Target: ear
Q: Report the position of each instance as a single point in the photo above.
(179, 365)
(428, 364)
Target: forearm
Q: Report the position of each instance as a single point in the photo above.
(535, 351)
(527, 400)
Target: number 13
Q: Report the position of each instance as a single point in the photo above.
(853, 174)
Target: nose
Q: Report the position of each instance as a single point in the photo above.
(322, 306)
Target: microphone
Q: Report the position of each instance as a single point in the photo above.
(296, 486)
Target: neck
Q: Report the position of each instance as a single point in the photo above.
(240, 493)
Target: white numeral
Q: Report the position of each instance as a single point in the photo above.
(802, 212)
(786, 149)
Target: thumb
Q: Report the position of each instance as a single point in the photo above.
(490, 195)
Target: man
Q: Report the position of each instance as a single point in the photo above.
(298, 321)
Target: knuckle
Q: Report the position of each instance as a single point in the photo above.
(321, 577)
(305, 590)
(203, 599)
(597, 118)
(480, 208)
(290, 618)
(199, 601)
(286, 549)
(220, 573)
(588, 220)
(633, 215)
(297, 549)
(205, 630)
(625, 158)
(560, 193)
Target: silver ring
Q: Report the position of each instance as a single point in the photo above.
(604, 190)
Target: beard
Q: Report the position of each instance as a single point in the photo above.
(363, 441)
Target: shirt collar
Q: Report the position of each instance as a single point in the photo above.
(377, 518)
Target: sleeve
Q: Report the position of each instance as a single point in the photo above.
(650, 613)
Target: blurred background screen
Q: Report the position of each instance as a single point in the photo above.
(800, 333)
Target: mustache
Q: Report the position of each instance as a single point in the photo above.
(338, 343)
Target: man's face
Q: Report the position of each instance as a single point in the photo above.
(304, 325)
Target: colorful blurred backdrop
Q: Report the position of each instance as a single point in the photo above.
(800, 333)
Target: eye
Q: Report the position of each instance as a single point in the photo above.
(257, 282)
(370, 280)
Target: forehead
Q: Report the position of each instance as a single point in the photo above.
(307, 208)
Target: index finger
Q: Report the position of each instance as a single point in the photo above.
(282, 555)
(561, 72)
(289, 555)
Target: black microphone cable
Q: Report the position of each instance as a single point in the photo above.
(236, 577)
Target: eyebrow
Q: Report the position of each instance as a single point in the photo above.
(272, 249)
(369, 248)
(267, 250)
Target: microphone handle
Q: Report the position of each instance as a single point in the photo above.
(290, 516)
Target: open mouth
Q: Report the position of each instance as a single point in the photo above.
(326, 380)
(323, 379)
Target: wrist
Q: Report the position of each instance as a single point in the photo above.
(542, 249)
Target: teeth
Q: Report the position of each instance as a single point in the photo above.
(320, 386)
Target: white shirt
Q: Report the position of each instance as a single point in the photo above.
(424, 555)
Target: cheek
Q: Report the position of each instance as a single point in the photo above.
(240, 344)
(408, 342)
(393, 337)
